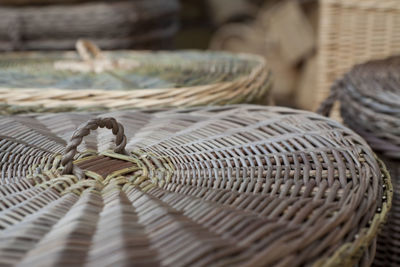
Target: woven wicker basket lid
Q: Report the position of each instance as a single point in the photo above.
(91, 80)
(370, 103)
(223, 186)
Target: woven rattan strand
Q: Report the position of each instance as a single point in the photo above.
(352, 32)
(223, 186)
(370, 104)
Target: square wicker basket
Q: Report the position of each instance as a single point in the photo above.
(351, 32)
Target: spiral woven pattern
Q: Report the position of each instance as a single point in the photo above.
(240, 185)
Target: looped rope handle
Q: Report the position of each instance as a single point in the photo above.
(88, 50)
(326, 106)
(84, 130)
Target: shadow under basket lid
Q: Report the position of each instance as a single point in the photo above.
(128, 79)
(240, 185)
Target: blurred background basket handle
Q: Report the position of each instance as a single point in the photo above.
(93, 60)
(88, 51)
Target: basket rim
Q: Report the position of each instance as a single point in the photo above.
(23, 54)
(261, 63)
(243, 88)
(366, 4)
(349, 253)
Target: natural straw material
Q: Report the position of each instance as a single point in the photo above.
(141, 24)
(118, 80)
(388, 246)
(352, 32)
(369, 95)
(221, 186)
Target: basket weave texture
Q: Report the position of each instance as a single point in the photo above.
(388, 246)
(369, 95)
(111, 24)
(228, 186)
(43, 2)
(353, 32)
(32, 82)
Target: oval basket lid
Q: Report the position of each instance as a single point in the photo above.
(127, 79)
(236, 185)
(370, 103)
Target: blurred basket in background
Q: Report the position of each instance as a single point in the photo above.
(352, 32)
(229, 186)
(283, 33)
(91, 79)
(42, 2)
(369, 96)
(111, 24)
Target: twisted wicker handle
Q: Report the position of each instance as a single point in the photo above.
(84, 130)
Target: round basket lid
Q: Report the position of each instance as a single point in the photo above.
(130, 79)
(370, 103)
(235, 185)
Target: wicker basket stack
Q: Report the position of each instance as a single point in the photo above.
(369, 95)
(54, 25)
(352, 32)
(222, 186)
(90, 80)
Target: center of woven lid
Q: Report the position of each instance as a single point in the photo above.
(118, 168)
(97, 171)
(103, 165)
